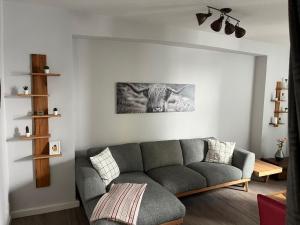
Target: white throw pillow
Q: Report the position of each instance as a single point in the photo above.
(219, 151)
(106, 166)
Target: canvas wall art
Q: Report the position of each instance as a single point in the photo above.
(154, 97)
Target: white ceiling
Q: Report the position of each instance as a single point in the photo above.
(264, 20)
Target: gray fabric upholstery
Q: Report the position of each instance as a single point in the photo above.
(244, 160)
(158, 205)
(127, 156)
(178, 179)
(193, 150)
(89, 183)
(216, 173)
(161, 153)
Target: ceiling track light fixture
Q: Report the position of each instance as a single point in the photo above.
(217, 24)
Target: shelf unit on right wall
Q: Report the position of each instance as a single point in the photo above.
(278, 111)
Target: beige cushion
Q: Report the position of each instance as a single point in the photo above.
(106, 166)
(220, 152)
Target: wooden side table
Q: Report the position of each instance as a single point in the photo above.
(279, 196)
(264, 169)
(283, 164)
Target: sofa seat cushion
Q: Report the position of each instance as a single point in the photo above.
(158, 205)
(178, 179)
(216, 173)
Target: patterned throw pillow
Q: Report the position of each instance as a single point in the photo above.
(106, 166)
(220, 152)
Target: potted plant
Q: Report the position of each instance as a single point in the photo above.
(26, 90)
(279, 155)
(46, 69)
(55, 111)
(27, 132)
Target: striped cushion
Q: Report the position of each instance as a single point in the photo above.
(220, 152)
(121, 203)
(106, 166)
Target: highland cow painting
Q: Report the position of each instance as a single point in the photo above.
(155, 97)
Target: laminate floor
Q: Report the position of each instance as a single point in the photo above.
(219, 207)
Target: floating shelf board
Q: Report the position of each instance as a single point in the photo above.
(36, 157)
(46, 74)
(278, 100)
(46, 116)
(32, 95)
(280, 112)
(33, 137)
(282, 89)
(276, 125)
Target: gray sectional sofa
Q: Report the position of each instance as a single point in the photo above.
(172, 169)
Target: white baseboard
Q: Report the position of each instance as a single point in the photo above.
(44, 209)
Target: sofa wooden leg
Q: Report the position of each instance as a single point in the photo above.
(246, 186)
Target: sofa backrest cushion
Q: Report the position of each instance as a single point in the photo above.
(161, 153)
(127, 156)
(193, 150)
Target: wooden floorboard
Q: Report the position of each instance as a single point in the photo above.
(219, 207)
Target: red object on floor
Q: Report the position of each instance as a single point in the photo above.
(271, 212)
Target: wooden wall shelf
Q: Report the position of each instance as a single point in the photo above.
(40, 123)
(277, 108)
(39, 84)
(33, 95)
(46, 74)
(37, 157)
(33, 137)
(46, 116)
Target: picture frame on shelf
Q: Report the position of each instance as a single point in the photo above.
(54, 148)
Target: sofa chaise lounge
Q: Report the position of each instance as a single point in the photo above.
(171, 169)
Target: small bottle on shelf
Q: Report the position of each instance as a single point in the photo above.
(27, 132)
(55, 111)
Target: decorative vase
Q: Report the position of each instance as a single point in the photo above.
(279, 154)
(46, 71)
(26, 92)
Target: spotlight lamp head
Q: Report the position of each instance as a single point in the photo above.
(239, 31)
(229, 27)
(217, 24)
(201, 17)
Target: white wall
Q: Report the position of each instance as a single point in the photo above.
(4, 182)
(276, 64)
(37, 29)
(223, 95)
